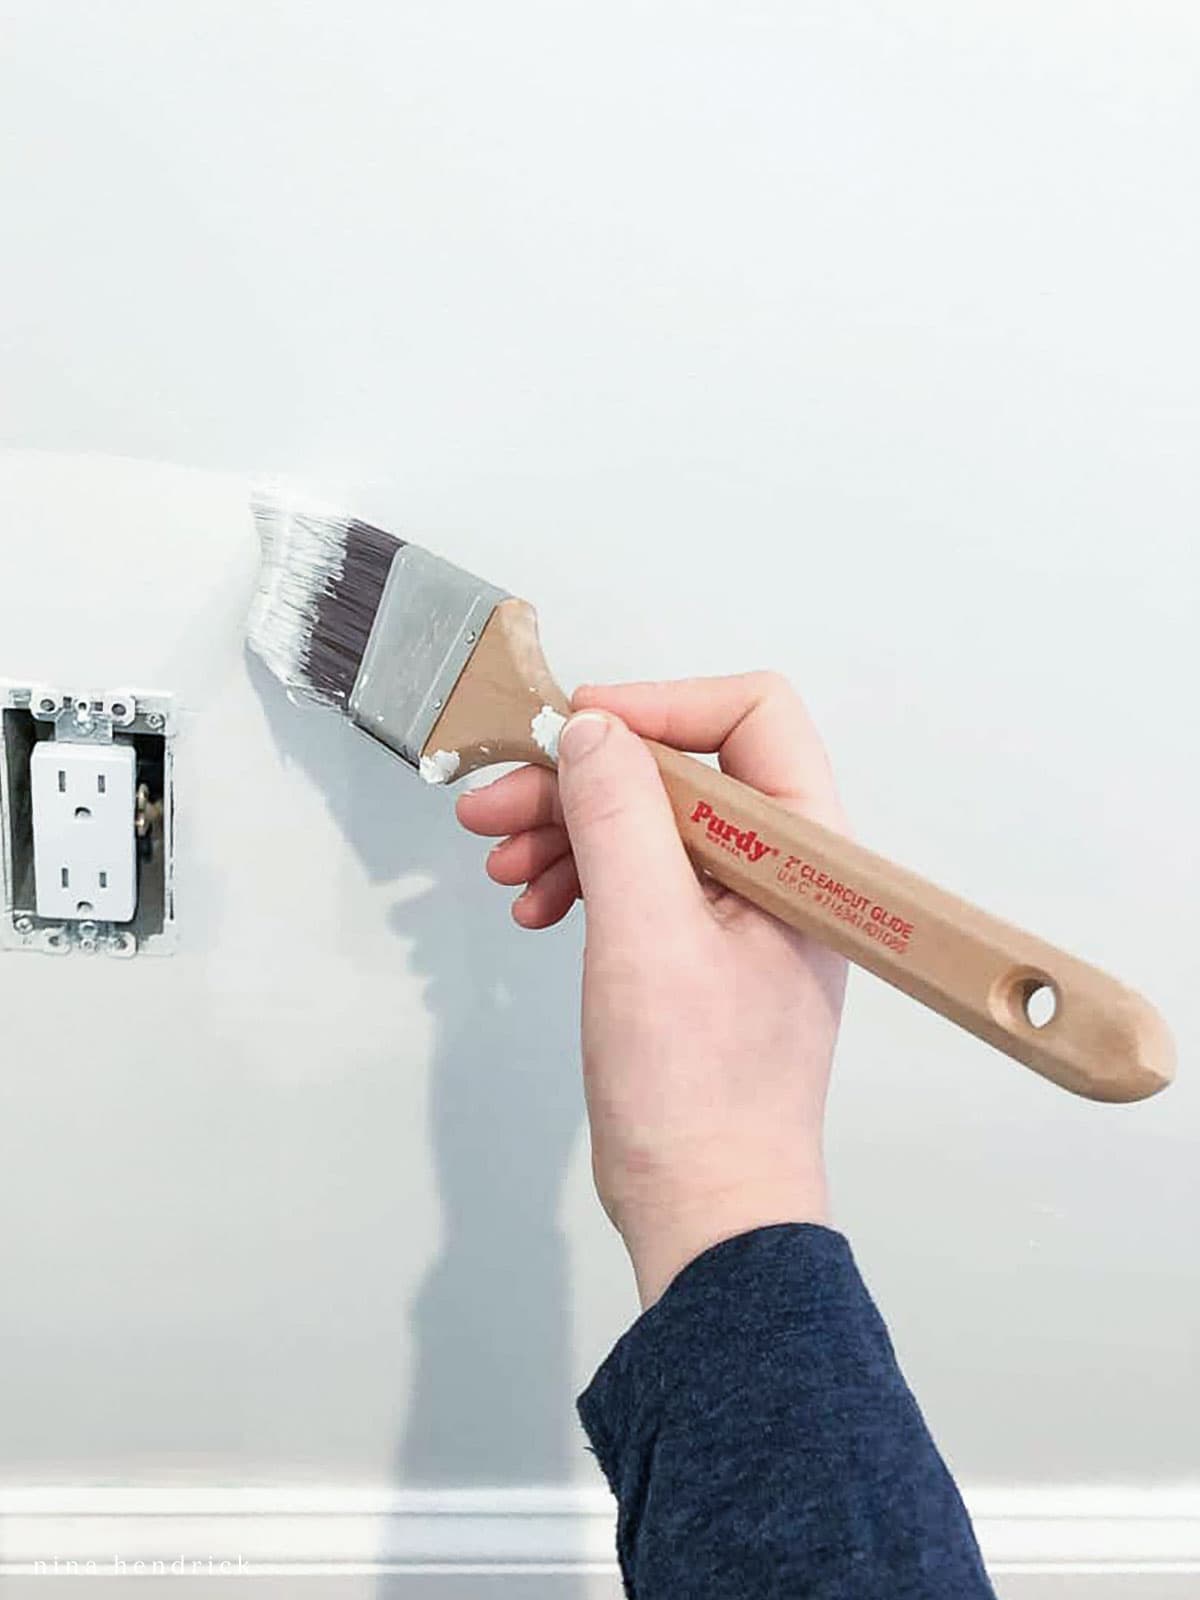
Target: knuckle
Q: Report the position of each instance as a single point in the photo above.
(768, 684)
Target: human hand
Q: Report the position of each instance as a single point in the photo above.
(708, 1026)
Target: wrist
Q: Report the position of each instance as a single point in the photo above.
(661, 1243)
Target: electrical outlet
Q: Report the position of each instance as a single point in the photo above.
(84, 845)
(77, 730)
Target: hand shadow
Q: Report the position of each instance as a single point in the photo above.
(491, 1402)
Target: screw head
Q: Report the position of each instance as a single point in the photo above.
(24, 924)
(154, 720)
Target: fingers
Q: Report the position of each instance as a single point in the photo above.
(756, 721)
(637, 882)
(515, 803)
(549, 897)
(526, 856)
(524, 805)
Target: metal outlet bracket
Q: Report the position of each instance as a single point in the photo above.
(34, 712)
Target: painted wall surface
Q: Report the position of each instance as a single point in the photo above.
(857, 340)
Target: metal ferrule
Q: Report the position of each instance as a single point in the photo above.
(428, 622)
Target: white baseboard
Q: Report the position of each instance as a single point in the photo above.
(1056, 1538)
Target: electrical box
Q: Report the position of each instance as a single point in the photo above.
(86, 821)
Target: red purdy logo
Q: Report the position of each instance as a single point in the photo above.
(743, 841)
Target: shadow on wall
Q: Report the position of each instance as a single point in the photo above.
(491, 1401)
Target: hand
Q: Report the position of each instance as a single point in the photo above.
(708, 1027)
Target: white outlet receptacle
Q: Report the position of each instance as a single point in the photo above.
(84, 846)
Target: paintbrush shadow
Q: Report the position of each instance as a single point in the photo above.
(491, 1401)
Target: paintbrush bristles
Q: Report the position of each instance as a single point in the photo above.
(319, 588)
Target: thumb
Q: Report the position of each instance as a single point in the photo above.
(633, 869)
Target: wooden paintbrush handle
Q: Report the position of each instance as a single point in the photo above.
(1103, 1040)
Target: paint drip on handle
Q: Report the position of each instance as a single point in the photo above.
(546, 728)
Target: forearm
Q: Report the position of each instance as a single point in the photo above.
(761, 1441)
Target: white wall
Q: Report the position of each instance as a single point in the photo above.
(855, 339)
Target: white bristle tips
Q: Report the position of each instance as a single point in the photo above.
(303, 550)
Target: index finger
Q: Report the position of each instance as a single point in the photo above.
(756, 722)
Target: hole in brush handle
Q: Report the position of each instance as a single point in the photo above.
(1026, 997)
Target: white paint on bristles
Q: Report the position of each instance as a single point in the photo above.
(303, 551)
(439, 767)
(546, 727)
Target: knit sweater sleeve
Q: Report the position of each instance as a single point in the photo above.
(761, 1441)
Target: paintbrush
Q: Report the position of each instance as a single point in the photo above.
(447, 672)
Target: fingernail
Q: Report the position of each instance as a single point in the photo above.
(583, 732)
(477, 786)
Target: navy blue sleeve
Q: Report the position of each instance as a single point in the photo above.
(761, 1441)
